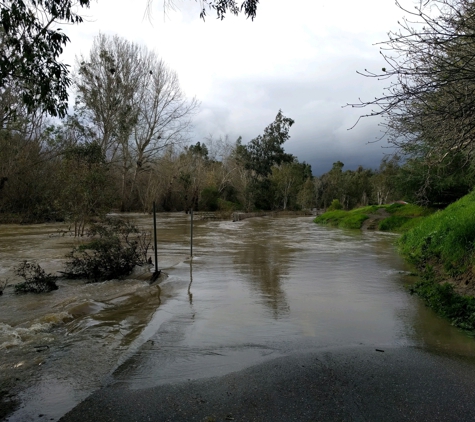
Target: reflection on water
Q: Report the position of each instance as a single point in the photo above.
(254, 289)
(264, 260)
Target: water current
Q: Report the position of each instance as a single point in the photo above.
(254, 290)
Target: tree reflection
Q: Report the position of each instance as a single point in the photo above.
(265, 264)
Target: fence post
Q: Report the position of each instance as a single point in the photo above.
(191, 240)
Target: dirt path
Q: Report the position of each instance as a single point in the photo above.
(372, 222)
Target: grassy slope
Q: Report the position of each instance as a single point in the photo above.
(402, 217)
(442, 249)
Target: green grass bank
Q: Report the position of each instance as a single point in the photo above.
(440, 245)
(395, 217)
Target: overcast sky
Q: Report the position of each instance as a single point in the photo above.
(300, 56)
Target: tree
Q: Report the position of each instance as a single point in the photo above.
(134, 103)
(428, 107)
(221, 7)
(259, 156)
(31, 44)
(288, 179)
(266, 150)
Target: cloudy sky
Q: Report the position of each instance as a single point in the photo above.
(300, 56)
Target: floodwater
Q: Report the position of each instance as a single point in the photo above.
(254, 290)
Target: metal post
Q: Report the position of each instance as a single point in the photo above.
(191, 240)
(155, 236)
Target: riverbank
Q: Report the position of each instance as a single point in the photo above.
(395, 217)
(350, 384)
(440, 246)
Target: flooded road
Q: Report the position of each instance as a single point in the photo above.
(254, 290)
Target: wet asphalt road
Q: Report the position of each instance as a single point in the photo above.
(354, 384)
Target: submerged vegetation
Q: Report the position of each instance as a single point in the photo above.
(115, 248)
(36, 279)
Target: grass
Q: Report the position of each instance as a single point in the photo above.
(401, 219)
(408, 210)
(442, 298)
(393, 223)
(342, 219)
(441, 246)
(446, 237)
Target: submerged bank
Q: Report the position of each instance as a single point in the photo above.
(440, 246)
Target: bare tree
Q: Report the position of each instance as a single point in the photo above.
(429, 105)
(135, 103)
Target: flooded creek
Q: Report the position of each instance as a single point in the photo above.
(254, 290)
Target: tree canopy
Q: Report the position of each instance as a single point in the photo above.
(31, 44)
(428, 106)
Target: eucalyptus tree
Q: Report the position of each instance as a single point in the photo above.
(258, 158)
(134, 103)
(288, 180)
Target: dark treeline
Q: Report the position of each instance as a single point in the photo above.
(125, 144)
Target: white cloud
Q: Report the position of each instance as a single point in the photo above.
(299, 56)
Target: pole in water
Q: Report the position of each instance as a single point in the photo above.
(191, 240)
(157, 272)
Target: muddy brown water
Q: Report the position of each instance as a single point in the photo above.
(254, 290)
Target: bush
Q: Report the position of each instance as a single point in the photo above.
(36, 279)
(335, 205)
(116, 249)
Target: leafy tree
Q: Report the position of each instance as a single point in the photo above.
(266, 150)
(221, 7)
(288, 179)
(31, 45)
(259, 156)
(435, 186)
(384, 181)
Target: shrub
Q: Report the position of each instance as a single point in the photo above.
(36, 279)
(116, 248)
(335, 205)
